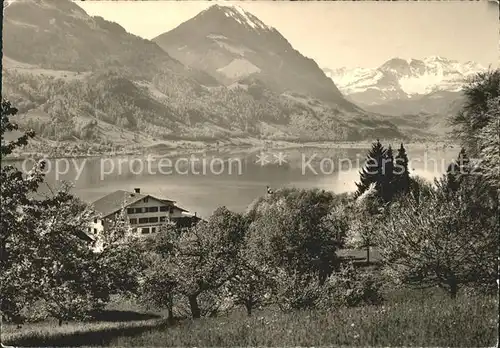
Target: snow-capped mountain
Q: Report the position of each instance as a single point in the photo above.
(399, 79)
(125, 89)
(232, 44)
(245, 18)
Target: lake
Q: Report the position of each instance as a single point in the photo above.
(201, 181)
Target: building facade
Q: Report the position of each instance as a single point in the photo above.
(144, 213)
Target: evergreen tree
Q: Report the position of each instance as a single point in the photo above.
(401, 179)
(456, 171)
(463, 162)
(388, 189)
(373, 171)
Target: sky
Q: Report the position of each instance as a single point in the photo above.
(341, 34)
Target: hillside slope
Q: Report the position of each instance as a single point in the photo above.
(75, 77)
(230, 44)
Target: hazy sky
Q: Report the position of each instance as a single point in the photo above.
(337, 34)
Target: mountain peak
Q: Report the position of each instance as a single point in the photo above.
(231, 44)
(244, 17)
(395, 64)
(436, 59)
(399, 79)
(239, 15)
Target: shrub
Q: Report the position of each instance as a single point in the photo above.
(349, 287)
(449, 238)
(298, 231)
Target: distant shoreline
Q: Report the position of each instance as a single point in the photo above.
(168, 148)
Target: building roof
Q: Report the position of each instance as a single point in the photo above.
(181, 209)
(84, 236)
(115, 201)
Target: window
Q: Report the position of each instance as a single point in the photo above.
(153, 219)
(163, 218)
(143, 220)
(146, 199)
(153, 230)
(95, 230)
(152, 209)
(133, 221)
(145, 230)
(138, 210)
(95, 221)
(171, 210)
(164, 208)
(89, 229)
(130, 210)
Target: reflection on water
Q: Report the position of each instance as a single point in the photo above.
(206, 180)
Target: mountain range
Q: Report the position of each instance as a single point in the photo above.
(407, 86)
(223, 74)
(232, 44)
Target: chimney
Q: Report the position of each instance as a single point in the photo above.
(137, 190)
(194, 214)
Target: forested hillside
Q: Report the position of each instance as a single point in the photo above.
(80, 78)
(63, 108)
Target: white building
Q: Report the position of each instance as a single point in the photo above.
(145, 213)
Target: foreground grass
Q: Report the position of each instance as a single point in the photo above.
(437, 321)
(409, 318)
(75, 334)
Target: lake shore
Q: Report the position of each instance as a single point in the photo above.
(54, 150)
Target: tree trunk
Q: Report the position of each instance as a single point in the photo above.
(248, 306)
(60, 322)
(193, 304)
(170, 309)
(323, 275)
(368, 255)
(453, 288)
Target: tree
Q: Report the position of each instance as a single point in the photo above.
(159, 284)
(296, 234)
(366, 216)
(253, 282)
(204, 257)
(119, 254)
(17, 283)
(51, 260)
(489, 145)
(66, 268)
(401, 173)
(474, 116)
(448, 239)
(373, 170)
(457, 170)
(477, 124)
(388, 189)
(347, 287)
(350, 287)
(46, 254)
(261, 275)
(382, 170)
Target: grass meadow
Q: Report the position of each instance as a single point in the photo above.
(407, 318)
(418, 321)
